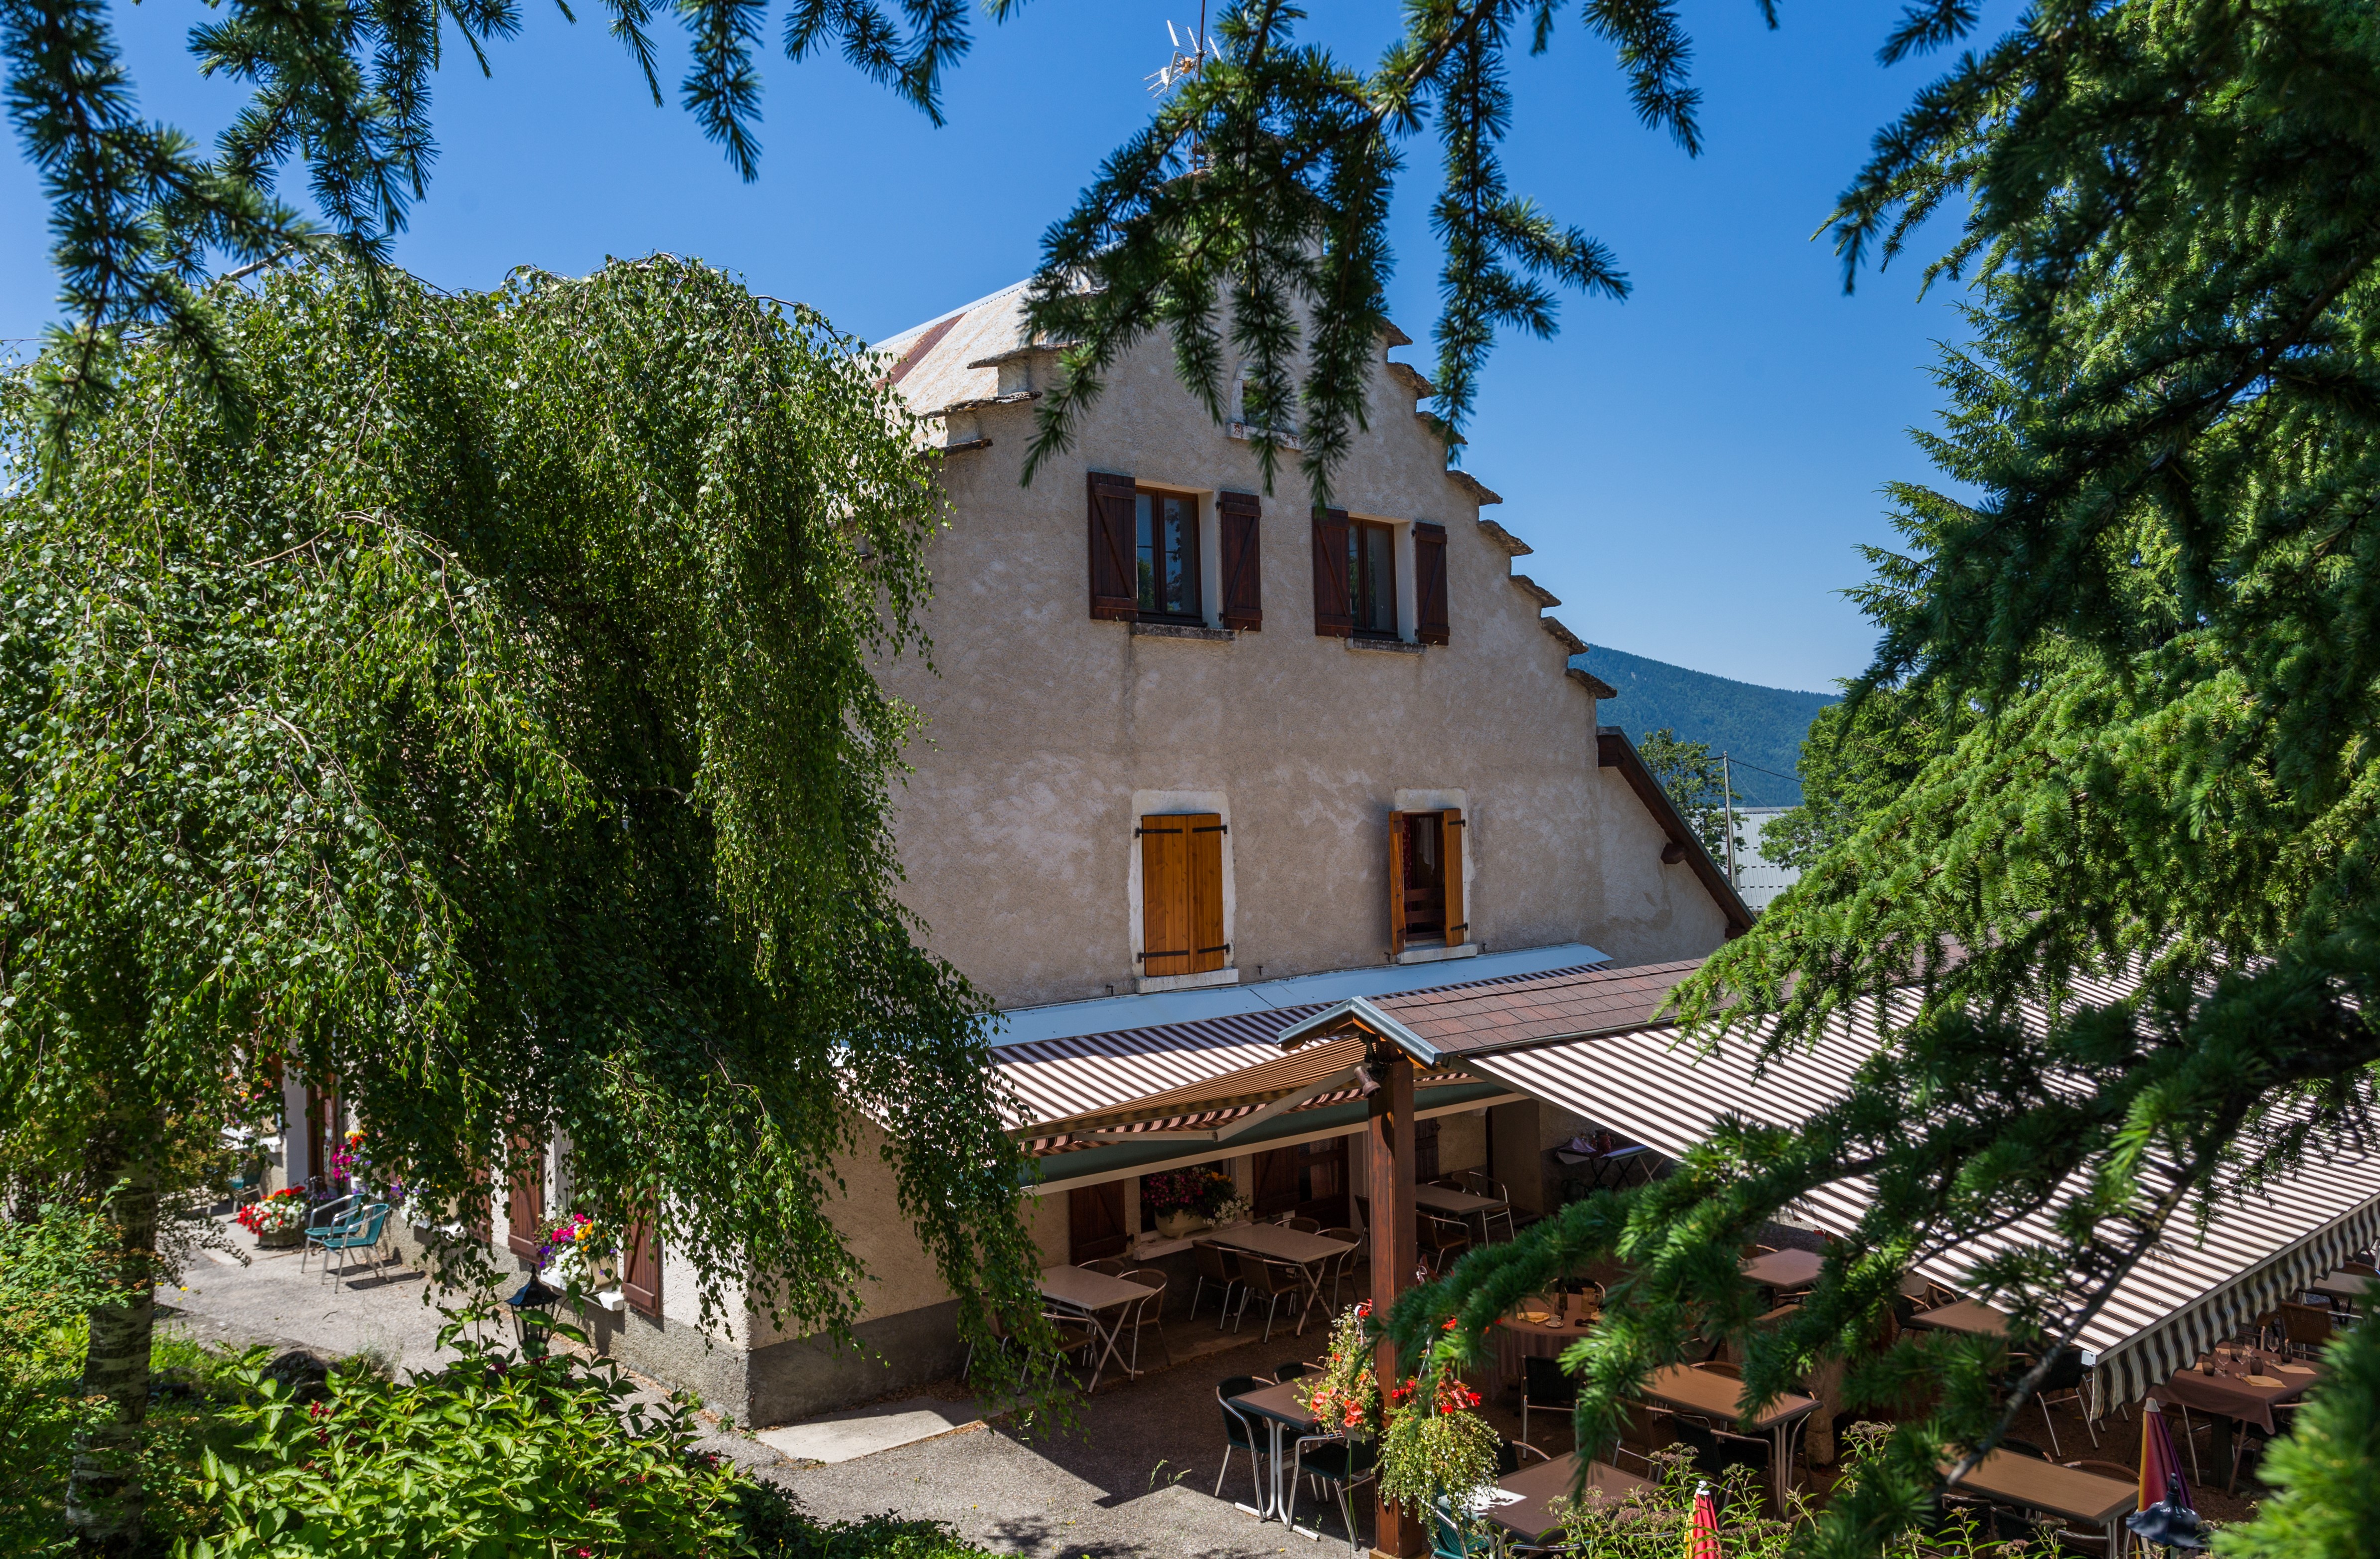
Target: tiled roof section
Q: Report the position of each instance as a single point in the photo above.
(932, 358)
(1536, 1008)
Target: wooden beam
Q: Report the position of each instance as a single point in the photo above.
(1388, 1155)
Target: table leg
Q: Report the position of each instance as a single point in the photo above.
(1278, 1508)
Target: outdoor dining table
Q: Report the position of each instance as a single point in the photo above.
(1784, 1269)
(1300, 1249)
(2241, 1391)
(1971, 1316)
(1531, 1518)
(1280, 1411)
(1720, 1397)
(1523, 1333)
(2341, 1286)
(2059, 1491)
(1096, 1293)
(1458, 1204)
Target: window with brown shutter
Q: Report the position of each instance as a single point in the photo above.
(1426, 880)
(641, 1266)
(524, 1220)
(1429, 582)
(1095, 1222)
(1331, 618)
(1115, 590)
(1372, 577)
(1243, 600)
(1182, 894)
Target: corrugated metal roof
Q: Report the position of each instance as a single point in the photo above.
(2191, 1290)
(1528, 1009)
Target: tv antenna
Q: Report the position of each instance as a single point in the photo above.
(1192, 49)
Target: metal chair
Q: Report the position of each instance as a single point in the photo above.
(1338, 1464)
(359, 1231)
(1240, 1434)
(1075, 1336)
(1149, 1314)
(1340, 1264)
(324, 1217)
(1110, 1266)
(1275, 1281)
(1220, 1267)
(1509, 1457)
(2062, 1386)
(1545, 1389)
(1435, 1237)
(1303, 1225)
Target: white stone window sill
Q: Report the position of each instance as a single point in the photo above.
(612, 1299)
(1438, 954)
(1246, 432)
(1393, 646)
(1182, 630)
(1147, 984)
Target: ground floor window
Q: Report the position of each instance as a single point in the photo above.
(1307, 1181)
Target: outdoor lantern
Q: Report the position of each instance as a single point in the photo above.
(2170, 1523)
(529, 1317)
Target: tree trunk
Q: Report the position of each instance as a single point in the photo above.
(104, 1499)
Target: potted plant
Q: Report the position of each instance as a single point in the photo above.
(1186, 1199)
(278, 1221)
(577, 1257)
(1436, 1454)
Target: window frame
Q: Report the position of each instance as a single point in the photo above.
(1359, 574)
(1195, 550)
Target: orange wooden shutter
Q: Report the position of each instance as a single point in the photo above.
(525, 1172)
(1450, 851)
(1115, 591)
(1429, 582)
(1396, 884)
(641, 1266)
(1333, 618)
(1165, 942)
(1207, 948)
(1236, 514)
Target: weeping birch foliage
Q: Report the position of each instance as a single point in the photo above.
(488, 725)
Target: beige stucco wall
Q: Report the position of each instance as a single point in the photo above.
(1017, 828)
(1646, 912)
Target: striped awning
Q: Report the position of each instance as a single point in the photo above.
(2259, 1246)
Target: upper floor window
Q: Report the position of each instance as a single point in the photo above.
(1372, 577)
(1166, 528)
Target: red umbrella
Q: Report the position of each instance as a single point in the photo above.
(2160, 1466)
(1702, 1529)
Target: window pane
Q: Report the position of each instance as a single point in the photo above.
(1181, 560)
(1379, 608)
(1145, 521)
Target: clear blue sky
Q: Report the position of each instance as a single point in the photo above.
(1694, 467)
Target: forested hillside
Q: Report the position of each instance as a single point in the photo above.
(1756, 725)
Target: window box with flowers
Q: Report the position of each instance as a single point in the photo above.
(1188, 1199)
(582, 1258)
(278, 1221)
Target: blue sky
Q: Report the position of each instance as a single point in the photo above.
(1695, 467)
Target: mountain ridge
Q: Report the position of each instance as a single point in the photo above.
(1760, 727)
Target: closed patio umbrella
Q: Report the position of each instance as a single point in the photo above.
(2168, 1517)
(1702, 1527)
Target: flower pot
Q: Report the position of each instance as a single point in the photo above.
(281, 1239)
(1176, 1226)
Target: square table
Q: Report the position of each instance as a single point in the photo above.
(2059, 1491)
(1094, 1294)
(1458, 1204)
(1714, 1395)
(1784, 1269)
(1971, 1316)
(1280, 1409)
(1300, 1249)
(1532, 1520)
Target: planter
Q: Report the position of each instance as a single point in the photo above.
(1178, 1225)
(281, 1239)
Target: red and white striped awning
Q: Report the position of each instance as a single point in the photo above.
(2259, 1246)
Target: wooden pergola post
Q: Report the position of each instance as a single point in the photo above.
(1389, 1174)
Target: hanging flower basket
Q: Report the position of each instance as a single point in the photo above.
(1435, 1448)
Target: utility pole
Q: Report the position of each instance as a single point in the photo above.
(1726, 788)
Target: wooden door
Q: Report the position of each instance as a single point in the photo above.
(1095, 1219)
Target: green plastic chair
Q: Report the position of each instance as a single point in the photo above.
(358, 1231)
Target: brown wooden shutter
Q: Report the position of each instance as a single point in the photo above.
(1333, 618)
(641, 1266)
(1207, 948)
(1115, 592)
(1095, 1219)
(1165, 942)
(1235, 514)
(1396, 884)
(1450, 851)
(525, 1173)
(1429, 582)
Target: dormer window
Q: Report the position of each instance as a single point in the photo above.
(1166, 528)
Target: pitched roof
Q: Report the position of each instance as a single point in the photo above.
(948, 361)
(1507, 1014)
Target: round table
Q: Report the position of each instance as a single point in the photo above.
(1517, 1339)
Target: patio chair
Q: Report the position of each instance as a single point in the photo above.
(1495, 1191)
(1435, 1237)
(1338, 1464)
(1447, 1539)
(1110, 1266)
(1149, 1314)
(1220, 1267)
(2305, 1328)
(359, 1231)
(1716, 1449)
(1301, 1225)
(1275, 1281)
(1075, 1336)
(1240, 1434)
(1340, 1264)
(1513, 1454)
(322, 1220)
(998, 1325)
(2063, 1387)
(1545, 1388)
(1295, 1370)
